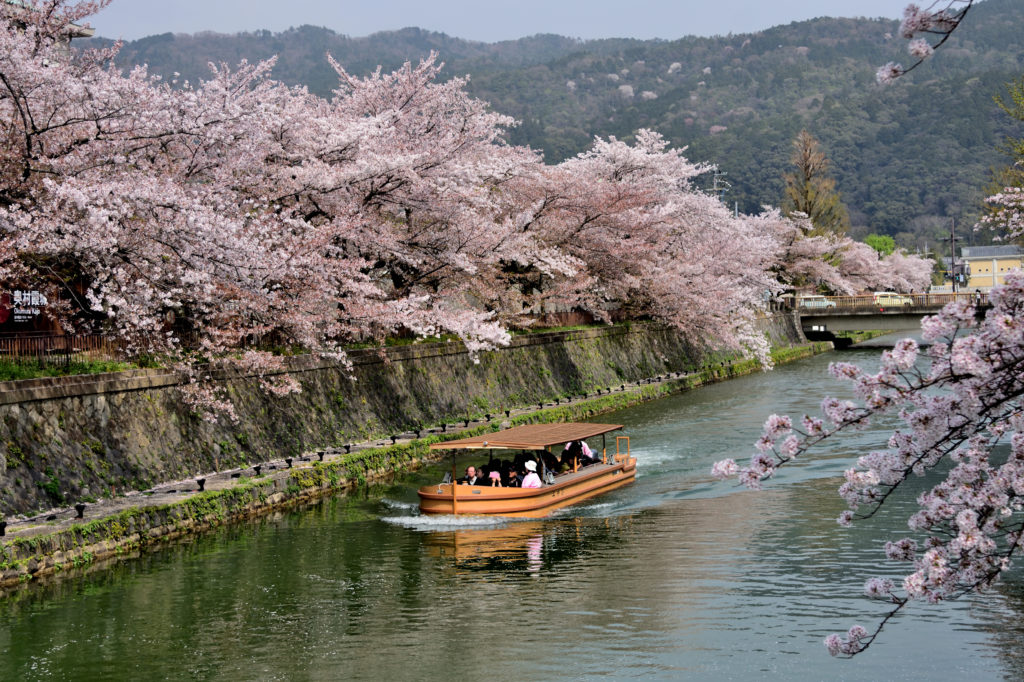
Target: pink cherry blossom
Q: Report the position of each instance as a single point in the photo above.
(926, 28)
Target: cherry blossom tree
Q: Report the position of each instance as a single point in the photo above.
(834, 263)
(127, 197)
(237, 208)
(907, 273)
(622, 224)
(803, 261)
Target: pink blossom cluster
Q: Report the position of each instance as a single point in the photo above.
(937, 21)
(853, 642)
(1008, 211)
(836, 263)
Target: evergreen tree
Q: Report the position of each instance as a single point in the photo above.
(811, 191)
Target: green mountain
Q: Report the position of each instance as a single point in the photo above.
(907, 158)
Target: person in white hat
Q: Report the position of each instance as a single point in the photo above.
(531, 480)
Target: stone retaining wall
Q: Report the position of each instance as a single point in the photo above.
(87, 437)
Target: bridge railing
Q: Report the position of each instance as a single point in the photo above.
(888, 301)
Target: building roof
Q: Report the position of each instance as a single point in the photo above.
(528, 437)
(1000, 251)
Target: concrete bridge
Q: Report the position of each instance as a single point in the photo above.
(896, 312)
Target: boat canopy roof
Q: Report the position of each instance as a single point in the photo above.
(528, 437)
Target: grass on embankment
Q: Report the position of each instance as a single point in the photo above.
(13, 371)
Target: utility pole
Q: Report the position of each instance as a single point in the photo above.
(952, 251)
(718, 186)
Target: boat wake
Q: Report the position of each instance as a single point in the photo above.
(447, 522)
(399, 505)
(583, 509)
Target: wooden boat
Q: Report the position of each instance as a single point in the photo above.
(572, 487)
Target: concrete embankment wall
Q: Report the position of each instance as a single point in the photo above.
(87, 437)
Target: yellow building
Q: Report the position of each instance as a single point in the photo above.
(988, 265)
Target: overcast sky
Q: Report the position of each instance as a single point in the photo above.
(484, 20)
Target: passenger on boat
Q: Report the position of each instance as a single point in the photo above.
(495, 477)
(551, 462)
(531, 480)
(470, 478)
(589, 456)
(570, 453)
(579, 452)
(511, 477)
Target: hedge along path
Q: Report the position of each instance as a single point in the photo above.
(110, 529)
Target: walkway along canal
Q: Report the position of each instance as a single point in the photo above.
(677, 576)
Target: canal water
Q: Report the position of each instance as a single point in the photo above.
(677, 576)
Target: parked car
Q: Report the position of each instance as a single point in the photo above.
(890, 299)
(815, 302)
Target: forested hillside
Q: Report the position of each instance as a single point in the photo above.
(908, 157)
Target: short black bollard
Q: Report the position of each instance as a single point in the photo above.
(465, 423)
(348, 448)
(288, 461)
(201, 482)
(508, 413)
(417, 432)
(257, 469)
(3, 528)
(488, 416)
(394, 439)
(80, 510)
(599, 391)
(621, 388)
(320, 455)
(556, 401)
(540, 406)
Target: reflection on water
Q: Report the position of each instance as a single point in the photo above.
(674, 576)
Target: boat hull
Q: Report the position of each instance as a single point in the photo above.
(568, 489)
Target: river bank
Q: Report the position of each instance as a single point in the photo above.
(52, 542)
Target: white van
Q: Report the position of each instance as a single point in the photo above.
(890, 299)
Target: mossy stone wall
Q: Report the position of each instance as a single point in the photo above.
(79, 438)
